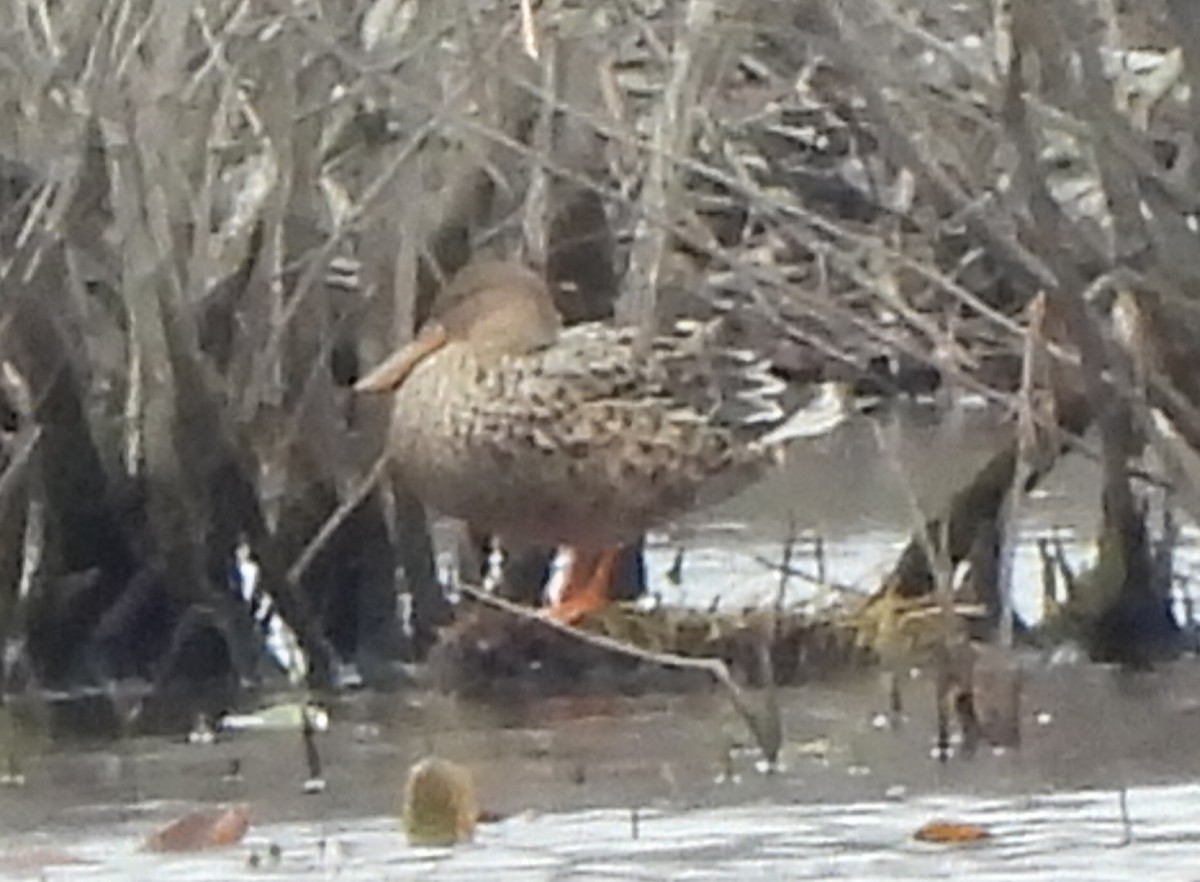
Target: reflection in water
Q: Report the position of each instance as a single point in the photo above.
(860, 501)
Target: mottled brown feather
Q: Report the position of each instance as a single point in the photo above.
(574, 436)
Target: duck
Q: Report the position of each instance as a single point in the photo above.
(581, 437)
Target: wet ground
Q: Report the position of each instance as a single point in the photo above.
(664, 787)
(650, 789)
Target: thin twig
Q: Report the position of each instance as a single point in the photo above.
(537, 195)
(23, 445)
(937, 554)
(672, 134)
(785, 571)
(1027, 445)
(335, 520)
(814, 579)
(530, 41)
(768, 742)
(1126, 820)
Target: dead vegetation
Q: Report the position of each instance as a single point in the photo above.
(215, 214)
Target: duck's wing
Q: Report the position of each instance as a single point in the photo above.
(687, 372)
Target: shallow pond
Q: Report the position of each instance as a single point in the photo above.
(650, 789)
(861, 491)
(661, 787)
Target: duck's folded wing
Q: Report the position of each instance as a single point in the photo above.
(687, 372)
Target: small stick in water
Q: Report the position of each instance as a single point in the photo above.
(315, 783)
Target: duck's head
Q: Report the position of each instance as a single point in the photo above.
(492, 307)
(498, 307)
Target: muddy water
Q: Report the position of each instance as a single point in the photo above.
(662, 787)
(649, 789)
(862, 491)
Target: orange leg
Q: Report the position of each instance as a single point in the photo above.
(588, 585)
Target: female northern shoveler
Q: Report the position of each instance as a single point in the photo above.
(581, 436)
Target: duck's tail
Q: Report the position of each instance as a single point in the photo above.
(823, 413)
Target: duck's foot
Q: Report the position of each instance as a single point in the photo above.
(588, 585)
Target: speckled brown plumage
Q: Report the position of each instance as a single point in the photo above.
(573, 436)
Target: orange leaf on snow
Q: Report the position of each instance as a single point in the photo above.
(213, 828)
(951, 832)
